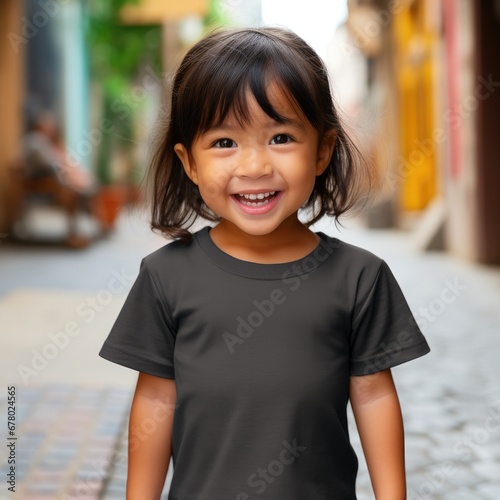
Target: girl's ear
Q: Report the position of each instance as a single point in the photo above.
(187, 162)
(325, 151)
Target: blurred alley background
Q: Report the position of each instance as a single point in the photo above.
(83, 84)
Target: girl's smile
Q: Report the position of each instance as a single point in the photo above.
(257, 204)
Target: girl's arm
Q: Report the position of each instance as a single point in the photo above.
(375, 406)
(150, 436)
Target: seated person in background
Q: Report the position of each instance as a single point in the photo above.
(44, 155)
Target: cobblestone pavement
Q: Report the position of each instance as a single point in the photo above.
(450, 397)
(65, 439)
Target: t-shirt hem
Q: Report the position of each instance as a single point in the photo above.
(134, 362)
(389, 359)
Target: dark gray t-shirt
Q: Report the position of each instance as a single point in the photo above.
(261, 355)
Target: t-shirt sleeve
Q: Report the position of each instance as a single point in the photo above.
(143, 336)
(384, 331)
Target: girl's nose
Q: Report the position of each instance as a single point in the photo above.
(253, 163)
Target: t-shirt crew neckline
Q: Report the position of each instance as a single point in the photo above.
(256, 270)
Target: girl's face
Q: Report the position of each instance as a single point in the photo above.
(257, 175)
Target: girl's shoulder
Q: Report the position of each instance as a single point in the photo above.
(357, 267)
(173, 254)
(348, 254)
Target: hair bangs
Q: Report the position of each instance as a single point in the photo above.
(234, 100)
(223, 80)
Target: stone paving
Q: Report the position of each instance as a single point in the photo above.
(450, 397)
(66, 438)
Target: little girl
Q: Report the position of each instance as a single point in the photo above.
(250, 337)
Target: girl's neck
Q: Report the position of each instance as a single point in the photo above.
(291, 241)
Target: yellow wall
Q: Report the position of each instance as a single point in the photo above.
(414, 40)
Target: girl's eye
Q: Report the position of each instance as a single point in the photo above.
(281, 139)
(224, 143)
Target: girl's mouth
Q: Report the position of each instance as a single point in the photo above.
(256, 204)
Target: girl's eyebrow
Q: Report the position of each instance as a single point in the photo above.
(289, 121)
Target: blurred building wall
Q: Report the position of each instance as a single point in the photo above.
(487, 38)
(56, 71)
(460, 126)
(70, 32)
(472, 31)
(12, 48)
(43, 84)
(437, 83)
(43, 66)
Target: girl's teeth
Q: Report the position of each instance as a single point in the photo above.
(259, 196)
(245, 198)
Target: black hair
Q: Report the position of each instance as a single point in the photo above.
(212, 81)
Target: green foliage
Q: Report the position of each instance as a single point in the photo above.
(217, 15)
(117, 50)
(116, 53)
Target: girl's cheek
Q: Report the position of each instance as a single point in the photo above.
(214, 184)
(226, 166)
